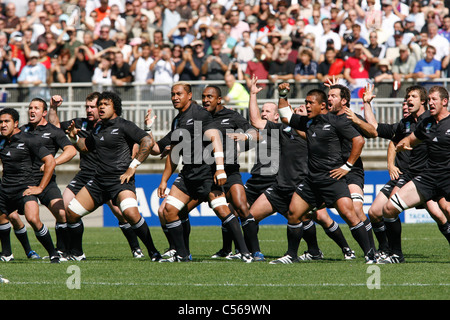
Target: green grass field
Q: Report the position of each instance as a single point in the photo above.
(110, 272)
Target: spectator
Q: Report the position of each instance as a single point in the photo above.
(389, 18)
(43, 56)
(58, 70)
(8, 70)
(71, 43)
(120, 70)
(328, 34)
(141, 27)
(253, 29)
(258, 66)
(183, 37)
(243, 51)
(283, 26)
(103, 41)
(403, 66)
(237, 26)
(398, 30)
(203, 17)
(445, 29)
(428, 67)
(163, 71)
(356, 31)
(315, 26)
(140, 67)
(280, 70)
(199, 52)
(177, 54)
(383, 72)
(171, 18)
(417, 15)
(81, 65)
(206, 34)
(102, 11)
(216, 13)
(269, 27)
(356, 68)
(188, 68)
(11, 19)
(114, 21)
(33, 75)
(102, 73)
(331, 66)
(431, 17)
(306, 9)
(440, 43)
(216, 64)
(121, 44)
(378, 52)
(309, 42)
(306, 69)
(236, 91)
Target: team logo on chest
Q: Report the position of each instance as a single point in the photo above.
(115, 131)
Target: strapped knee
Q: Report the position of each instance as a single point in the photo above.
(221, 201)
(398, 203)
(76, 207)
(175, 202)
(128, 203)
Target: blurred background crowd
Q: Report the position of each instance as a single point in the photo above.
(116, 42)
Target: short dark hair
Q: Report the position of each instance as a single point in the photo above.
(44, 103)
(319, 94)
(443, 93)
(117, 102)
(422, 93)
(216, 88)
(345, 93)
(12, 112)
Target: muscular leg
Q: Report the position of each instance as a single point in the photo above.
(80, 206)
(346, 210)
(20, 230)
(376, 218)
(357, 195)
(249, 225)
(406, 197)
(127, 202)
(260, 210)
(5, 239)
(31, 209)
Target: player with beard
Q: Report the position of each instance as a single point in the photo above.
(89, 161)
(324, 183)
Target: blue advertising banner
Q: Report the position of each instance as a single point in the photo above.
(148, 201)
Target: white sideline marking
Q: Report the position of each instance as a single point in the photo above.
(236, 284)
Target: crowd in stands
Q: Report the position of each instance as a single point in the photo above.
(115, 42)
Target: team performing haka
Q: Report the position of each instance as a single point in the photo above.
(307, 162)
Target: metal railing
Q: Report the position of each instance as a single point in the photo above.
(137, 98)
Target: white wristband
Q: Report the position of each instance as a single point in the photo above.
(218, 155)
(286, 112)
(135, 163)
(346, 167)
(220, 167)
(222, 176)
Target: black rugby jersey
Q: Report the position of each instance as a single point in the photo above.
(436, 136)
(414, 161)
(324, 133)
(52, 137)
(186, 136)
(114, 140)
(88, 160)
(347, 144)
(17, 155)
(293, 161)
(230, 121)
